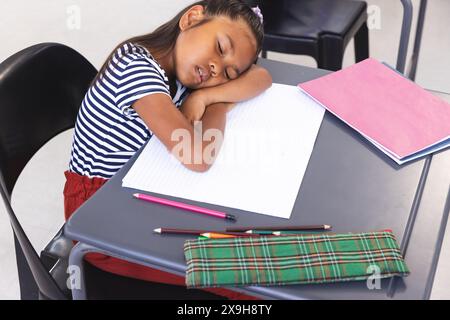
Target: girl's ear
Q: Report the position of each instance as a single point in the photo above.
(191, 17)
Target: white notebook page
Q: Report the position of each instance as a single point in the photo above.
(260, 167)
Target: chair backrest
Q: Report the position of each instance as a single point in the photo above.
(41, 89)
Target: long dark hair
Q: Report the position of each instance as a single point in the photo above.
(161, 41)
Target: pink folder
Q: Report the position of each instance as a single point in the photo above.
(399, 117)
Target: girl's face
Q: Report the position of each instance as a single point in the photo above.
(214, 52)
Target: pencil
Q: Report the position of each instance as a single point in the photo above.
(212, 235)
(226, 235)
(200, 232)
(185, 206)
(272, 232)
(293, 233)
(280, 228)
(179, 231)
(223, 235)
(260, 232)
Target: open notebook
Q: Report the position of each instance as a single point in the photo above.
(260, 167)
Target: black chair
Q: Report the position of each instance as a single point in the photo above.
(41, 89)
(317, 28)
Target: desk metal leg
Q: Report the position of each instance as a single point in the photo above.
(404, 38)
(77, 279)
(418, 39)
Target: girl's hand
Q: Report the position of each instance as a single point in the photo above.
(194, 106)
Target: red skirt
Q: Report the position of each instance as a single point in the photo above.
(77, 190)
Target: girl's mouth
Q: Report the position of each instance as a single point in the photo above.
(201, 75)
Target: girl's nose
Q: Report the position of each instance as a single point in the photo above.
(215, 69)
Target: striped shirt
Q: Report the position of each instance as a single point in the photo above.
(108, 131)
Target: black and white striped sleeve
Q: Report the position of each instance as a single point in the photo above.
(139, 78)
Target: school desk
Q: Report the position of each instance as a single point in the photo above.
(349, 184)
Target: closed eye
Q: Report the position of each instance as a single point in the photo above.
(219, 46)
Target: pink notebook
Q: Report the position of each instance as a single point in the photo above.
(395, 114)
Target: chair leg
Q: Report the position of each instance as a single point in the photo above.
(331, 53)
(264, 54)
(28, 287)
(362, 43)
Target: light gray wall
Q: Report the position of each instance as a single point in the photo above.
(104, 23)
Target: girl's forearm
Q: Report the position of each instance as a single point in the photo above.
(214, 118)
(250, 84)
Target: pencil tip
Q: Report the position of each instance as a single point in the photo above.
(157, 230)
(249, 231)
(327, 226)
(276, 233)
(136, 195)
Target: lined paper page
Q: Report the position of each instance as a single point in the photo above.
(260, 167)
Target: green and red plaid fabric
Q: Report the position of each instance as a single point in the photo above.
(299, 259)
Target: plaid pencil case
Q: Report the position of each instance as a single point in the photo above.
(299, 259)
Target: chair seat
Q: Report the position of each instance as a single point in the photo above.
(311, 18)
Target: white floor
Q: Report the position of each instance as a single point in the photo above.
(38, 200)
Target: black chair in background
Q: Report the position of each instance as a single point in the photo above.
(317, 28)
(41, 89)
